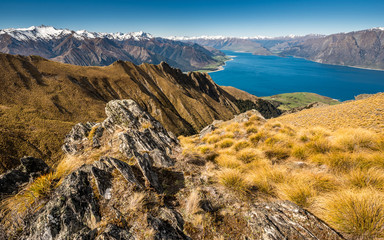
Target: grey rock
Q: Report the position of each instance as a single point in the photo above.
(103, 182)
(126, 171)
(286, 220)
(29, 169)
(71, 212)
(96, 137)
(77, 137)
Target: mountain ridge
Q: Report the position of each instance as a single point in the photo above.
(362, 49)
(100, 49)
(40, 99)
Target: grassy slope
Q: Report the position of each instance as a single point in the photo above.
(336, 173)
(367, 113)
(299, 99)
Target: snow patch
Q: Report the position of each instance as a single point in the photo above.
(47, 33)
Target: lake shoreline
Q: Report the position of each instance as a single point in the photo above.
(271, 75)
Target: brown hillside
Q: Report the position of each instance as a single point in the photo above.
(366, 113)
(42, 99)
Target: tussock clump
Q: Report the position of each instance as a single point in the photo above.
(228, 161)
(212, 139)
(251, 130)
(319, 145)
(277, 153)
(372, 177)
(248, 155)
(233, 179)
(299, 152)
(226, 143)
(359, 213)
(297, 190)
(241, 145)
(355, 139)
(256, 138)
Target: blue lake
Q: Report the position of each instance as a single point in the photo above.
(270, 75)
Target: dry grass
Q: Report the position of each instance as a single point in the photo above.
(232, 179)
(366, 113)
(359, 213)
(302, 164)
(192, 204)
(372, 177)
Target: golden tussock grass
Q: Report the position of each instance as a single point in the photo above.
(241, 145)
(356, 212)
(308, 166)
(372, 177)
(355, 139)
(226, 143)
(228, 161)
(232, 179)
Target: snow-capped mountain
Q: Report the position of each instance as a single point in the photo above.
(260, 45)
(91, 48)
(291, 36)
(49, 33)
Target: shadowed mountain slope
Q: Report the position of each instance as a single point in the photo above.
(40, 100)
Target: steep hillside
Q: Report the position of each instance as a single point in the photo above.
(366, 113)
(100, 49)
(44, 98)
(363, 49)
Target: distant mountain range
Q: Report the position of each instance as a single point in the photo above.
(99, 49)
(259, 45)
(363, 49)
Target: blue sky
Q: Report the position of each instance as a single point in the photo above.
(195, 18)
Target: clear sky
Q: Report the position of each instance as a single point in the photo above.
(197, 17)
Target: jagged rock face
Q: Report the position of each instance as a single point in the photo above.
(74, 210)
(286, 220)
(360, 49)
(29, 169)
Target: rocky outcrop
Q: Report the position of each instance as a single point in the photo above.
(358, 49)
(29, 169)
(286, 220)
(74, 211)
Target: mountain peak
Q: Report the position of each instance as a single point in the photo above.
(44, 32)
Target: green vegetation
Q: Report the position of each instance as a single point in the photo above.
(288, 101)
(220, 61)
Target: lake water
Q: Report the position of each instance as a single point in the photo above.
(270, 75)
